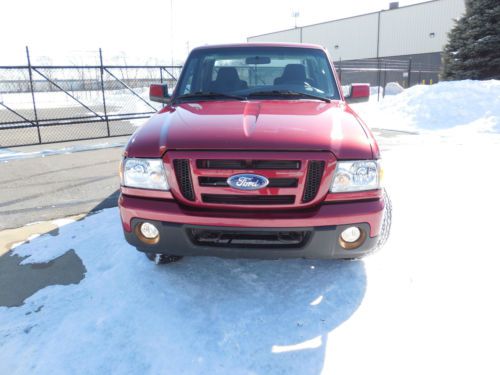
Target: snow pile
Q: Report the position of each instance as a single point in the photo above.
(393, 88)
(464, 106)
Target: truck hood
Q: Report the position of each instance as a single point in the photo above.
(281, 125)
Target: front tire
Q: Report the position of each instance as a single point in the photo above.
(385, 229)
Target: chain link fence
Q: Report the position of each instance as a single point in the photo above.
(46, 104)
(379, 72)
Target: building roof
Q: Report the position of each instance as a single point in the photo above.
(262, 44)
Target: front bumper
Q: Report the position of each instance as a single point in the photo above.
(321, 225)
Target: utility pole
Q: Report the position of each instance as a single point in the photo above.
(295, 15)
(172, 32)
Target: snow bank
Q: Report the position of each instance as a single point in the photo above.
(471, 106)
(393, 88)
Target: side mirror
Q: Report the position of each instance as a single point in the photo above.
(159, 93)
(358, 92)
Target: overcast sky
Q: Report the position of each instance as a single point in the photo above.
(143, 30)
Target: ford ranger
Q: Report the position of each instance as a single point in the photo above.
(255, 153)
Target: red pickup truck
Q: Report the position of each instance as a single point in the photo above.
(256, 153)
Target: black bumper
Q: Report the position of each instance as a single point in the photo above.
(263, 243)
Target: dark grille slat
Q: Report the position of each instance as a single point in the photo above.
(315, 171)
(252, 239)
(183, 174)
(247, 164)
(248, 199)
(273, 182)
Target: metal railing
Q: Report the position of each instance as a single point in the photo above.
(46, 104)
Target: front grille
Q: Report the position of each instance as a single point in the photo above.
(313, 180)
(247, 164)
(183, 174)
(202, 176)
(273, 182)
(248, 199)
(248, 238)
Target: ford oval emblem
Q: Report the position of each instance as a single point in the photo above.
(247, 181)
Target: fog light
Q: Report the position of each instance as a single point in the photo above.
(351, 234)
(149, 230)
(352, 238)
(147, 233)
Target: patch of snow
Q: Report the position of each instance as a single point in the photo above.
(375, 91)
(393, 88)
(118, 101)
(465, 106)
(8, 154)
(309, 344)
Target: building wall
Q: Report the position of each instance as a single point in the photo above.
(292, 35)
(403, 31)
(407, 30)
(354, 38)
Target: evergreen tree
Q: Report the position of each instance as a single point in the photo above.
(473, 49)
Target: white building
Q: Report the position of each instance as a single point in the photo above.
(417, 31)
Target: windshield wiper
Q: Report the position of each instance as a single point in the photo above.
(288, 93)
(208, 94)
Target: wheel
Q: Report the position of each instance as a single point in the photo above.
(385, 229)
(162, 258)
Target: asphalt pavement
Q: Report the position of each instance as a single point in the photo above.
(44, 188)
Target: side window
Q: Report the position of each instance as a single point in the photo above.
(187, 88)
(189, 81)
(318, 75)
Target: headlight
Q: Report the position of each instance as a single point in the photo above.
(356, 175)
(145, 173)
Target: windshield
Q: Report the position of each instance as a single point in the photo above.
(248, 72)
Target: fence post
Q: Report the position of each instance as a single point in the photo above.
(103, 91)
(378, 79)
(409, 73)
(33, 95)
(385, 79)
(340, 70)
(161, 81)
